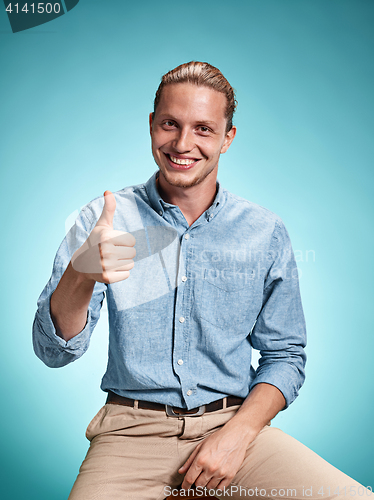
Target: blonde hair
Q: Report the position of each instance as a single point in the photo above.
(200, 73)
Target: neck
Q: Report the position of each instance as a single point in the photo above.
(192, 201)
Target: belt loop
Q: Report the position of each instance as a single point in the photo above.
(136, 404)
(224, 403)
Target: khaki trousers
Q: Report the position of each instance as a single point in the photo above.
(135, 454)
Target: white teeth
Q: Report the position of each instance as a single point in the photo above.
(179, 161)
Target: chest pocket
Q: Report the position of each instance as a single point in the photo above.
(227, 301)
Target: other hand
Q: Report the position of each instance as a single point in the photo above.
(216, 460)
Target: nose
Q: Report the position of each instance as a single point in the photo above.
(183, 142)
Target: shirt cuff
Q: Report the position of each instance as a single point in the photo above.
(282, 376)
(78, 343)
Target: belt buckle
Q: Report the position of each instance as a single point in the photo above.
(171, 413)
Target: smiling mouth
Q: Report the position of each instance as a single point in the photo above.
(181, 162)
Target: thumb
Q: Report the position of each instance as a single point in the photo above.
(106, 217)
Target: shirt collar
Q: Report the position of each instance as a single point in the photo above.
(156, 202)
(159, 205)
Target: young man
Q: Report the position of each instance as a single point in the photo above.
(213, 275)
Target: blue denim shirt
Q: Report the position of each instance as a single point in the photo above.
(182, 326)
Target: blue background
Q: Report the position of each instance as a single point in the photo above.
(75, 98)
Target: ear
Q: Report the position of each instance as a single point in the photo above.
(150, 122)
(228, 139)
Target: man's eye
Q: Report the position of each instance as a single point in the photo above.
(169, 123)
(203, 129)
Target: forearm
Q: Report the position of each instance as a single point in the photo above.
(261, 405)
(69, 303)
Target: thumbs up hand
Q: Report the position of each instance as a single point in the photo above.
(107, 254)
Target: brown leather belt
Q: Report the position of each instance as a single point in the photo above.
(173, 411)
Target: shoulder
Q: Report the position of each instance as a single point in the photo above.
(252, 212)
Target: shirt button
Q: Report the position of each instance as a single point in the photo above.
(184, 278)
(160, 212)
(189, 392)
(180, 362)
(187, 236)
(181, 319)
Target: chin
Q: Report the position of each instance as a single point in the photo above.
(185, 181)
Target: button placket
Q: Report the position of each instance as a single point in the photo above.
(181, 316)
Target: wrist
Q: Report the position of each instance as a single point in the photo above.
(79, 278)
(244, 426)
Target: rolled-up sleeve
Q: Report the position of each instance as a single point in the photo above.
(48, 346)
(279, 333)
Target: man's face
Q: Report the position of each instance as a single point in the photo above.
(188, 133)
